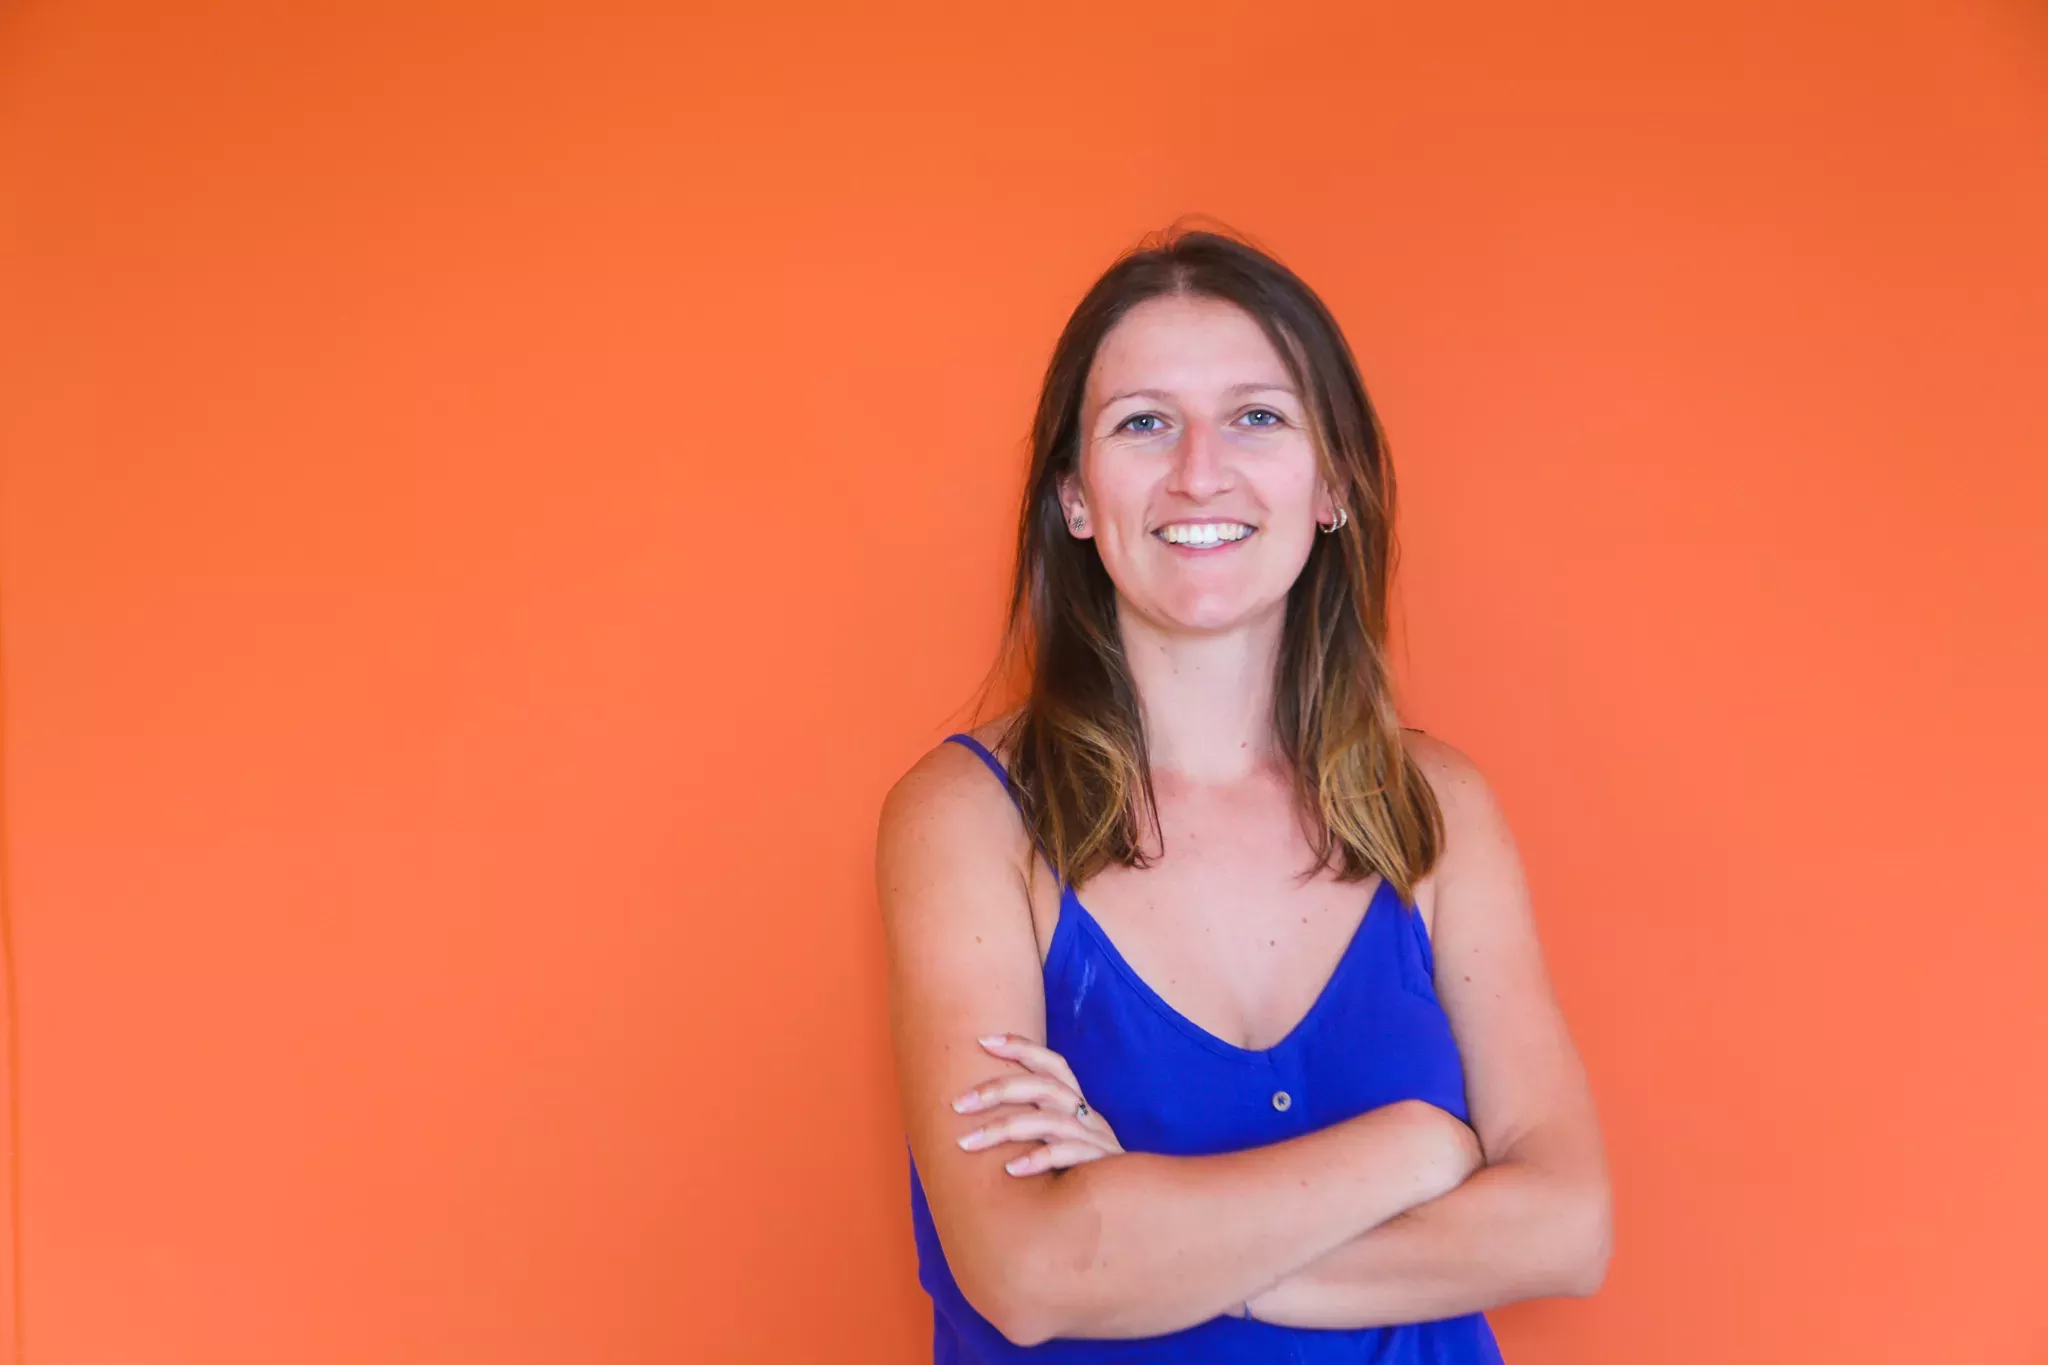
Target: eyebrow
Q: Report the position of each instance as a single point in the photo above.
(1250, 386)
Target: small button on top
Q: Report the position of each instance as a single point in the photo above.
(1282, 1101)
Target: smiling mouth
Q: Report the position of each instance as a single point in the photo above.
(1204, 535)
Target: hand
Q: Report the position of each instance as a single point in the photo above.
(1058, 1117)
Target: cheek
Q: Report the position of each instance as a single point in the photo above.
(1118, 497)
(1286, 487)
(1302, 468)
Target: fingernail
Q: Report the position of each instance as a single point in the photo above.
(968, 1101)
(1017, 1166)
(995, 1039)
(974, 1139)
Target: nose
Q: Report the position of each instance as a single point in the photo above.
(1200, 462)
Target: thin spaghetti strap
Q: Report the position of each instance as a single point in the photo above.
(995, 765)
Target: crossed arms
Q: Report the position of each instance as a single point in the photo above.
(1399, 1215)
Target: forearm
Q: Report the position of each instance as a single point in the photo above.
(1139, 1244)
(1513, 1231)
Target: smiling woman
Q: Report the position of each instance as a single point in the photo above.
(1292, 1083)
(1198, 459)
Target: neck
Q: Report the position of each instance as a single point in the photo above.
(1206, 700)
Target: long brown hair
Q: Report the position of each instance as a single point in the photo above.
(1078, 760)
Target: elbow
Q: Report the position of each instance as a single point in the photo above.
(1016, 1300)
(1022, 1318)
(1022, 1328)
(1590, 1243)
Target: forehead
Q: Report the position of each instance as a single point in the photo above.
(1184, 343)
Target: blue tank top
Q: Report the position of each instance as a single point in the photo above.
(1165, 1084)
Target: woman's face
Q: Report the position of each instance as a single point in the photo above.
(1199, 478)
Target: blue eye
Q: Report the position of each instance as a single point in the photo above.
(1139, 417)
(1275, 418)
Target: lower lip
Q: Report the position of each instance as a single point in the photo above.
(1204, 550)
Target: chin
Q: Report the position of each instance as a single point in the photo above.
(1209, 615)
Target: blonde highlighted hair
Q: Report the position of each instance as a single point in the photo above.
(1077, 755)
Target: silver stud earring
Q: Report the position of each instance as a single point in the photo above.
(1080, 520)
(1338, 523)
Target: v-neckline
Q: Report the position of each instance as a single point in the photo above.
(1071, 908)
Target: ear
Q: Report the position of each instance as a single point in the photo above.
(1074, 508)
(1325, 504)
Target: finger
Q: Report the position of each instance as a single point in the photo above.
(1055, 1156)
(1018, 1089)
(1033, 1125)
(1031, 1055)
(1042, 1060)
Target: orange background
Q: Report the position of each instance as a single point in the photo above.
(494, 493)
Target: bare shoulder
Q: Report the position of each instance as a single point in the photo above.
(949, 783)
(1452, 775)
(949, 810)
(1479, 849)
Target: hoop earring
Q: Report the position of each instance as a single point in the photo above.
(1337, 524)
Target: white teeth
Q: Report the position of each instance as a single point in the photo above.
(1205, 533)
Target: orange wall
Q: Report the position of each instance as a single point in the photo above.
(493, 494)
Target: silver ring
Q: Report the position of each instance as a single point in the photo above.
(1081, 1110)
